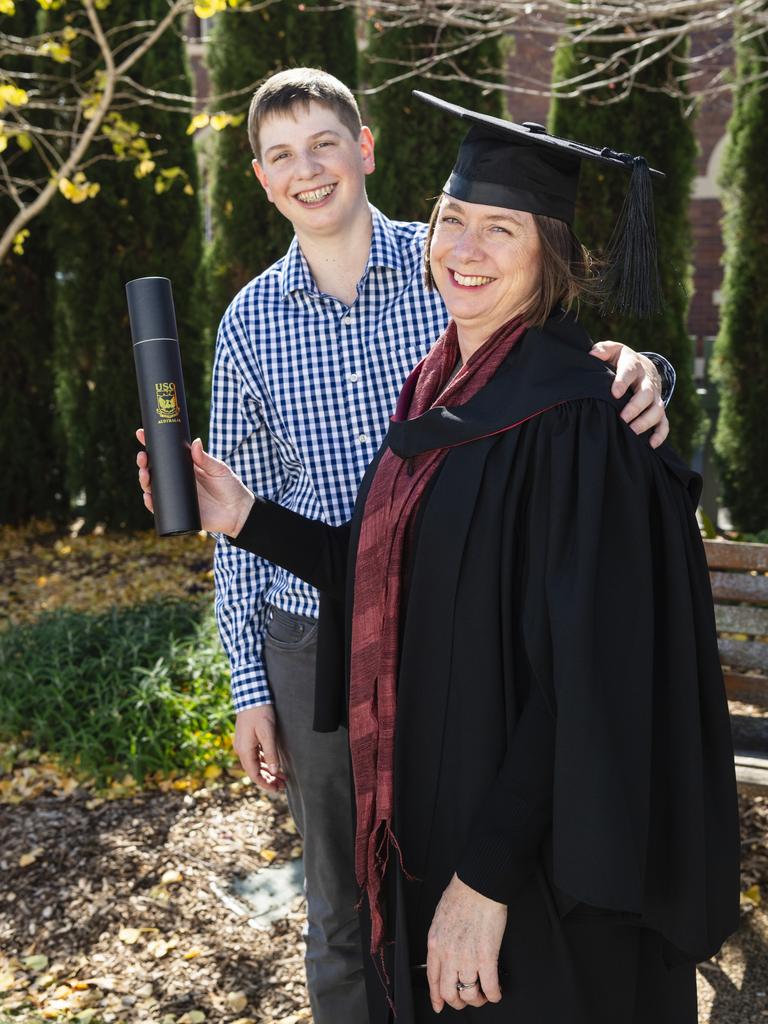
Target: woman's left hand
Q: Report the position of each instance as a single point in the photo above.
(463, 946)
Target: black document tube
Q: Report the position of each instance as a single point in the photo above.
(163, 404)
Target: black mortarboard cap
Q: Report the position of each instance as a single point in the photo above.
(523, 167)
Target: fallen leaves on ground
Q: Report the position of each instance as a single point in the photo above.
(42, 571)
(116, 920)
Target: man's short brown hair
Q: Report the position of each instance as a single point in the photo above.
(568, 269)
(284, 91)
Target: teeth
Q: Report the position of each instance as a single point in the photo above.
(471, 282)
(316, 195)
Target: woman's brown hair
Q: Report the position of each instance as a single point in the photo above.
(568, 269)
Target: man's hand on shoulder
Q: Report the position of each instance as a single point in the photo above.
(255, 744)
(645, 410)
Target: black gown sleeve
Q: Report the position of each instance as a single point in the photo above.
(308, 548)
(504, 849)
(618, 629)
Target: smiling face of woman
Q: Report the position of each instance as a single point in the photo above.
(486, 263)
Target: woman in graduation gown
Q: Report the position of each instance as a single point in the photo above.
(546, 815)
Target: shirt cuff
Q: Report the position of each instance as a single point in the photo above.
(249, 687)
(666, 372)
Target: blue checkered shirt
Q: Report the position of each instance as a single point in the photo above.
(303, 387)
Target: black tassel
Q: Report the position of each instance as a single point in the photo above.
(631, 275)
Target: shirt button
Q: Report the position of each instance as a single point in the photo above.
(347, 320)
(363, 438)
(352, 378)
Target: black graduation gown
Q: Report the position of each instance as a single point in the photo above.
(562, 736)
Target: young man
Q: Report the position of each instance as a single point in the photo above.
(309, 362)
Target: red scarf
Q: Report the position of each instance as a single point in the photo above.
(395, 493)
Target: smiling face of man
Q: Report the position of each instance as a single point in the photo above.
(313, 169)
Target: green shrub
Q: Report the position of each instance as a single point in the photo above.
(128, 230)
(654, 123)
(31, 448)
(741, 349)
(132, 691)
(415, 144)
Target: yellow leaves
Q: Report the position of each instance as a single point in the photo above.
(79, 188)
(198, 121)
(26, 859)
(21, 780)
(207, 8)
(12, 96)
(90, 103)
(752, 895)
(24, 141)
(69, 34)
(167, 177)
(51, 5)
(18, 241)
(143, 168)
(213, 771)
(192, 1017)
(192, 954)
(91, 576)
(158, 948)
(268, 855)
(7, 7)
(222, 120)
(37, 962)
(58, 51)
(125, 137)
(237, 1001)
(217, 121)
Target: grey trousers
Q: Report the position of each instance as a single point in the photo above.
(319, 797)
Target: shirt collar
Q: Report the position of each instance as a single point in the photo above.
(385, 252)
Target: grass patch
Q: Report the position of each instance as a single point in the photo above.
(134, 691)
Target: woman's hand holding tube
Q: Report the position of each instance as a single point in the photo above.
(224, 500)
(463, 947)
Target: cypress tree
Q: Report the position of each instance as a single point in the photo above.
(248, 232)
(741, 350)
(31, 449)
(132, 228)
(416, 146)
(652, 122)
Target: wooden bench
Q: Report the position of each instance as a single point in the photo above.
(739, 576)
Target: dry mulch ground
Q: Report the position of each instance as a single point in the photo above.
(111, 914)
(114, 915)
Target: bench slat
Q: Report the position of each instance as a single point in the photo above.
(751, 774)
(733, 618)
(735, 586)
(744, 654)
(748, 689)
(723, 554)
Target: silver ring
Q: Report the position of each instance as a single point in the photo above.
(461, 985)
